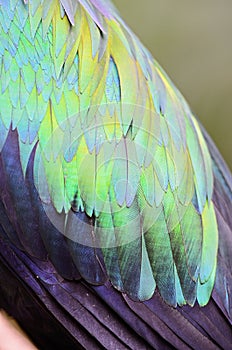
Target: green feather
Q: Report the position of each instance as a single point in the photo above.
(161, 258)
(210, 243)
(116, 142)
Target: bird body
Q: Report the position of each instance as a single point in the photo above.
(114, 201)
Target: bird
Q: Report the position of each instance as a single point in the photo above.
(115, 204)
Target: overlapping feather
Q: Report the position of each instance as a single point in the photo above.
(115, 140)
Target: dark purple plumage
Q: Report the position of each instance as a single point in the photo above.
(100, 317)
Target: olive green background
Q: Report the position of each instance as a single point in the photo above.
(192, 40)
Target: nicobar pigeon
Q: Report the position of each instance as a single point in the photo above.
(115, 205)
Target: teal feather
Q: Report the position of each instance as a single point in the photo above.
(112, 88)
(6, 109)
(4, 132)
(161, 258)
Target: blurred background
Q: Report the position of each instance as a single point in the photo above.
(192, 40)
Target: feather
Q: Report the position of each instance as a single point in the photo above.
(77, 103)
(111, 193)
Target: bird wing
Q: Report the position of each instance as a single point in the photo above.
(119, 164)
(107, 179)
(59, 313)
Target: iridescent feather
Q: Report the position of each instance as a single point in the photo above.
(121, 165)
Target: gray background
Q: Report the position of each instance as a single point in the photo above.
(192, 40)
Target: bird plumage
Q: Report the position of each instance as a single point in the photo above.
(107, 179)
